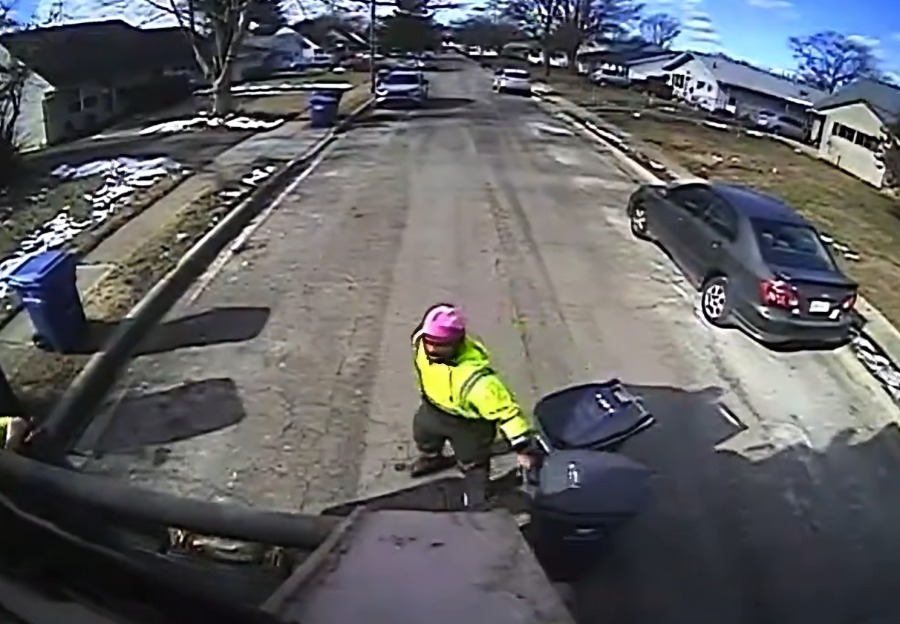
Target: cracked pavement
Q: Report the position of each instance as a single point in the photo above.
(776, 472)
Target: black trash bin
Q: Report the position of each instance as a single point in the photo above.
(598, 416)
(578, 499)
(9, 402)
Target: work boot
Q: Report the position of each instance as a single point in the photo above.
(475, 487)
(429, 464)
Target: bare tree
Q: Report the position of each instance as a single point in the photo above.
(14, 76)
(584, 20)
(660, 29)
(829, 60)
(538, 20)
(216, 30)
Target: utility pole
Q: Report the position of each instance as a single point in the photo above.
(373, 73)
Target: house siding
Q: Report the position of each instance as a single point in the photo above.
(30, 129)
(846, 154)
(748, 103)
(693, 82)
(644, 70)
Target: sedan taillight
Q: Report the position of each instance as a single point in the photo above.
(849, 301)
(778, 294)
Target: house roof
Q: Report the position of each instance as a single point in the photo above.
(883, 99)
(728, 72)
(620, 51)
(322, 32)
(96, 52)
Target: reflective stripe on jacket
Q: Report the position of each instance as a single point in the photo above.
(469, 388)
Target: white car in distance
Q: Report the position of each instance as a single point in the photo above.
(512, 80)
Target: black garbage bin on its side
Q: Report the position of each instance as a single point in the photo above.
(578, 500)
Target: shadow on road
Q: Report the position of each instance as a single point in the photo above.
(215, 326)
(752, 523)
(179, 413)
(445, 103)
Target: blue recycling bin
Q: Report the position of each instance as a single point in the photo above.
(45, 284)
(323, 108)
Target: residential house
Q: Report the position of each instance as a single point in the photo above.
(716, 83)
(615, 54)
(282, 49)
(83, 76)
(850, 126)
(651, 66)
(332, 35)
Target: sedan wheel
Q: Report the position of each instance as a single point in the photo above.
(714, 302)
(637, 218)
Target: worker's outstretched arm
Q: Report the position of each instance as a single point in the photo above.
(493, 401)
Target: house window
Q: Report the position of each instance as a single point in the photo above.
(701, 84)
(678, 81)
(732, 101)
(844, 132)
(75, 106)
(867, 141)
(89, 101)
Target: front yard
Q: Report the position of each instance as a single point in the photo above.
(854, 214)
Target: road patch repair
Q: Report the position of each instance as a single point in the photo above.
(134, 296)
(875, 343)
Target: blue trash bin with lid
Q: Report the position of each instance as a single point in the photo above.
(323, 108)
(46, 286)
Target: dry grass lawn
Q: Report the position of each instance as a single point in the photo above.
(40, 377)
(579, 90)
(839, 204)
(293, 105)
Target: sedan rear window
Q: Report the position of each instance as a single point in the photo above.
(402, 78)
(791, 245)
(521, 74)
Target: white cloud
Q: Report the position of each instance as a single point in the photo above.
(771, 4)
(864, 40)
(896, 36)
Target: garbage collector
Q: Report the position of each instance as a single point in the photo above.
(464, 402)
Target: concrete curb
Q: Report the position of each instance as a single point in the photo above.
(877, 345)
(74, 411)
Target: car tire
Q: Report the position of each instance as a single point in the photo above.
(637, 220)
(715, 301)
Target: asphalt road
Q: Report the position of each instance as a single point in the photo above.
(776, 472)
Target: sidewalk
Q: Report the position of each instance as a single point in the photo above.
(283, 143)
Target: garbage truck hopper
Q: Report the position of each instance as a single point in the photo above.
(409, 567)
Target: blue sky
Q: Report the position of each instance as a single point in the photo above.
(755, 30)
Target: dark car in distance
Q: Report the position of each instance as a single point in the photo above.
(758, 264)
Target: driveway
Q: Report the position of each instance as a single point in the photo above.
(776, 473)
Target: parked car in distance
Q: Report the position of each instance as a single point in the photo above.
(783, 125)
(512, 80)
(609, 76)
(758, 264)
(402, 87)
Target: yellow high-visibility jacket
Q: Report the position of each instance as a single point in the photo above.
(469, 388)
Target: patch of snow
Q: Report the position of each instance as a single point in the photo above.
(716, 125)
(201, 122)
(122, 177)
